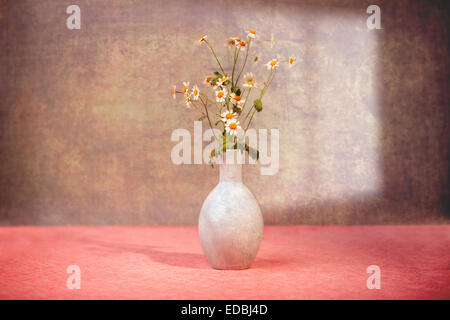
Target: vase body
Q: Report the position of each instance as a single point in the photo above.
(230, 222)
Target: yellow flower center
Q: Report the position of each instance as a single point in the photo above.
(273, 63)
(195, 92)
(202, 37)
(233, 126)
(242, 44)
(220, 94)
(185, 89)
(250, 82)
(291, 60)
(252, 31)
(229, 116)
(237, 98)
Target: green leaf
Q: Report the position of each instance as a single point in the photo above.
(252, 152)
(217, 73)
(228, 143)
(236, 90)
(218, 121)
(201, 118)
(240, 145)
(213, 154)
(258, 105)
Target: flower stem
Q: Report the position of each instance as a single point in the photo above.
(248, 113)
(266, 84)
(250, 121)
(215, 56)
(236, 56)
(213, 101)
(207, 116)
(196, 108)
(245, 102)
(245, 60)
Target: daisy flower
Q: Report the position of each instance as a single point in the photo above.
(237, 100)
(185, 87)
(202, 38)
(249, 80)
(241, 44)
(187, 100)
(195, 92)
(232, 126)
(221, 82)
(237, 40)
(174, 92)
(272, 64)
(221, 95)
(251, 34)
(291, 61)
(228, 116)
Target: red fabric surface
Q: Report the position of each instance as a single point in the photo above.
(294, 262)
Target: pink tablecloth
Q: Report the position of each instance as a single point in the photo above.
(294, 262)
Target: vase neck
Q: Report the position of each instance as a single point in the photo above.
(230, 169)
(230, 172)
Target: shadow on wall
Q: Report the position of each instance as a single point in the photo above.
(379, 154)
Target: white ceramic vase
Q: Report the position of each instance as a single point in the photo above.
(230, 223)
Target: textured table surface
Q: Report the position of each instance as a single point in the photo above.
(294, 262)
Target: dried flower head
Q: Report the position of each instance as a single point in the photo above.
(208, 80)
(230, 42)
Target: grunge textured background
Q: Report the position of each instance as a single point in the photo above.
(86, 115)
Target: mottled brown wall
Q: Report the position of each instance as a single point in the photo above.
(86, 115)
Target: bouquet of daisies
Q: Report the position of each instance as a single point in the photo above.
(226, 106)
